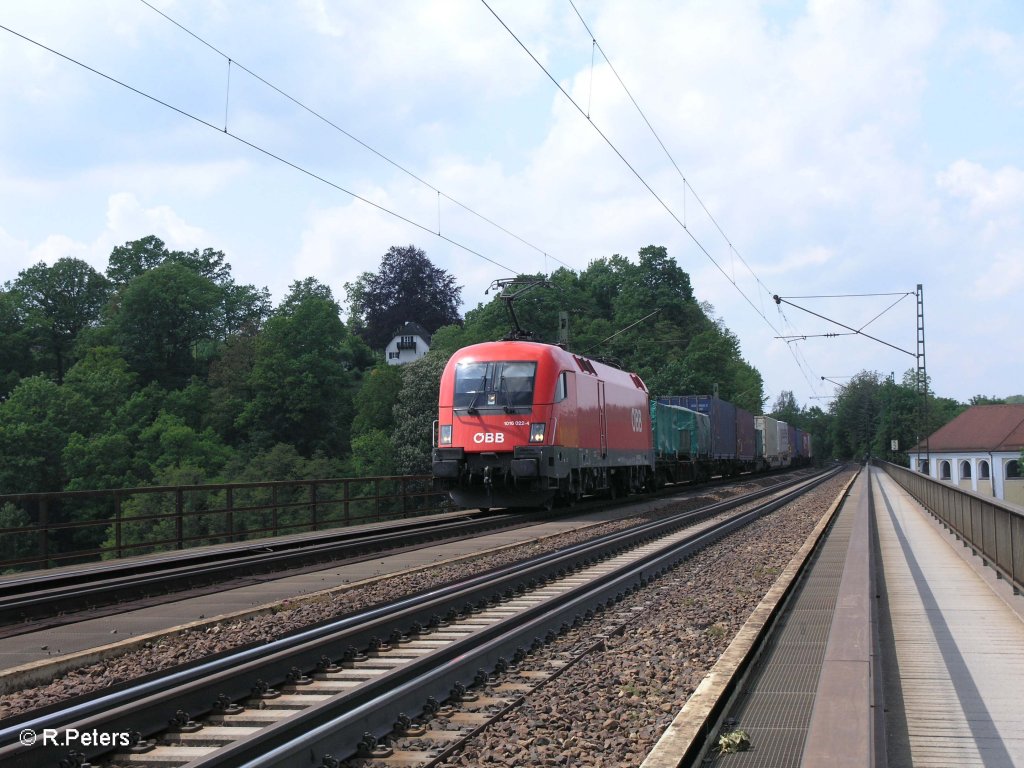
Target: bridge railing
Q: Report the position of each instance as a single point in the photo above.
(41, 530)
(993, 530)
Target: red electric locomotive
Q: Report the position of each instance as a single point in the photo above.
(522, 423)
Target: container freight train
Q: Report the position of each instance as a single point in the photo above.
(528, 424)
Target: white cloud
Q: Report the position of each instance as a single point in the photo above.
(987, 192)
(1001, 276)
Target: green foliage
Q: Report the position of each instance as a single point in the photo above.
(372, 454)
(785, 408)
(35, 422)
(151, 521)
(300, 381)
(163, 314)
(375, 400)
(106, 460)
(415, 413)
(169, 443)
(130, 260)
(857, 415)
(103, 382)
(16, 342)
(985, 400)
(58, 303)
(680, 350)
(14, 545)
(406, 288)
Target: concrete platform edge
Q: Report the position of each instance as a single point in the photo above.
(687, 732)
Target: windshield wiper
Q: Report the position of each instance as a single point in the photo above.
(508, 401)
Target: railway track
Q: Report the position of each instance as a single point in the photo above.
(319, 692)
(48, 599)
(41, 600)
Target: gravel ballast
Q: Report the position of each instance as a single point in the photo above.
(611, 707)
(177, 648)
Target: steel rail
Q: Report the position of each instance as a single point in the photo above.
(335, 727)
(146, 705)
(43, 595)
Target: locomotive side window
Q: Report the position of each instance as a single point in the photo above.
(499, 386)
(561, 387)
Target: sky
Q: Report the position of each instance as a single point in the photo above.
(846, 149)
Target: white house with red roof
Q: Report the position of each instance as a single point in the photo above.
(978, 451)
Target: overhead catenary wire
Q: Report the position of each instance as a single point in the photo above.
(629, 165)
(803, 366)
(686, 182)
(256, 147)
(349, 135)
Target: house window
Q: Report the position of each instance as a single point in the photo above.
(393, 355)
(924, 467)
(944, 471)
(983, 470)
(965, 470)
(1012, 469)
(407, 342)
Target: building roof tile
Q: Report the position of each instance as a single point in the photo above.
(982, 428)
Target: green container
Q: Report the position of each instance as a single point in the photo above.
(679, 432)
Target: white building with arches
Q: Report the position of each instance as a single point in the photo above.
(980, 451)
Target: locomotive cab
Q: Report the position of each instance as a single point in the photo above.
(523, 424)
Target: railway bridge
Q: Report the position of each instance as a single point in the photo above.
(894, 636)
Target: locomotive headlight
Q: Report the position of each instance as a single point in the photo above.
(446, 435)
(537, 433)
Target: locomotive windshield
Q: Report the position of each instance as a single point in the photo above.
(498, 386)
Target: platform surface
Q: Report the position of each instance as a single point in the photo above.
(955, 643)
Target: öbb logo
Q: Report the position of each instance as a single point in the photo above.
(638, 420)
(489, 437)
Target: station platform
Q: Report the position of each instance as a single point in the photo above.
(898, 647)
(952, 639)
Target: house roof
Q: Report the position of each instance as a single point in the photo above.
(413, 329)
(982, 428)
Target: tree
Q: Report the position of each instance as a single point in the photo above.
(415, 413)
(163, 315)
(35, 422)
(785, 408)
(130, 260)
(15, 342)
(60, 301)
(300, 379)
(372, 454)
(375, 400)
(857, 411)
(406, 288)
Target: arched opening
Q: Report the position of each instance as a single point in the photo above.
(965, 470)
(924, 467)
(1012, 469)
(983, 470)
(944, 471)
